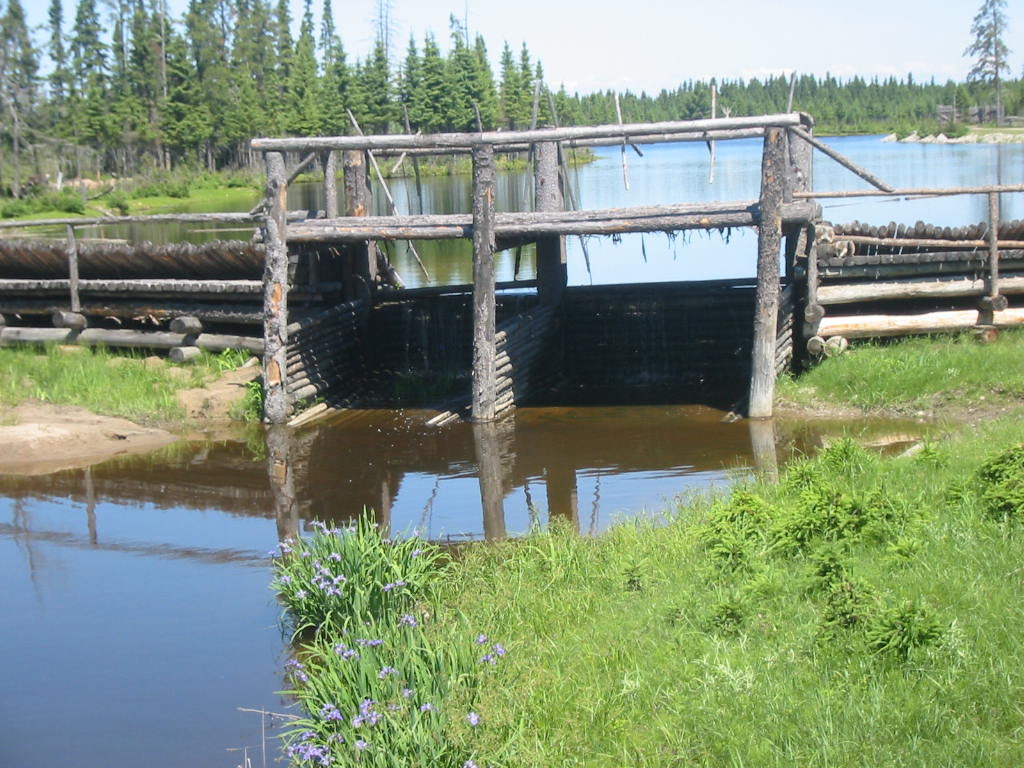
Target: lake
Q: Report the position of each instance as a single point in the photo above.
(137, 620)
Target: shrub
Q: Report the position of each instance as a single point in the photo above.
(1001, 481)
(902, 629)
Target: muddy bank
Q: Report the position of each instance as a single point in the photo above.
(39, 438)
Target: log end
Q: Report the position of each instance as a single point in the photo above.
(73, 320)
(835, 346)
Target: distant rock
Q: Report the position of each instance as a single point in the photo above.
(892, 137)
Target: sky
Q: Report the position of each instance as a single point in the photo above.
(653, 44)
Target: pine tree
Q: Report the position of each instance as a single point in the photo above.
(989, 49)
(303, 105)
(427, 103)
(335, 81)
(375, 107)
(19, 68)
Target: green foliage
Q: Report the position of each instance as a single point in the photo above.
(116, 385)
(902, 629)
(1001, 485)
(916, 373)
(382, 682)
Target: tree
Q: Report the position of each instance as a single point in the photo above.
(988, 48)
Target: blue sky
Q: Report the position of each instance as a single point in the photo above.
(654, 44)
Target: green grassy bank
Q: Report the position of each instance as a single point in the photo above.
(863, 611)
(106, 382)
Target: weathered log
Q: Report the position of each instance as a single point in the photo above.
(483, 285)
(498, 138)
(276, 402)
(610, 221)
(187, 324)
(914, 192)
(73, 320)
(72, 246)
(986, 334)
(867, 326)
(157, 287)
(844, 161)
(766, 302)
(128, 338)
(835, 346)
(931, 240)
(152, 218)
(912, 289)
(816, 346)
(184, 354)
(552, 275)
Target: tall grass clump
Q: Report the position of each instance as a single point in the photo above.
(917, 372)
(381, 681)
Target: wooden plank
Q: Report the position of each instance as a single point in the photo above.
(276, 401)
(484, 380)
(766, 302)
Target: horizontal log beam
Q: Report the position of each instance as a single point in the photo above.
(184, 218)
(914, 242)
(870, 326)
(911, 192)
(161, 286)
(607, 221)
(913, 289)
(503, 138)
(127, 338)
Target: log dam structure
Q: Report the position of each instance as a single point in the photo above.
(315, 295)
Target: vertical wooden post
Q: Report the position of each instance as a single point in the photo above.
(275, 293)
(994, 301)
(329, 161)
(552, 274)
(489, 466)
(766, 302)
(762, 445)
(359, 264)
(76, 304)
(484, 352)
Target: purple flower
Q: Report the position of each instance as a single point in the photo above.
(345, 652)
(428, 707)
(307, 553)
(393, 585)
(286, 579)
(407, 620)
(364, 642)
(499, 649)
(481, 639)
(407, 693)
(301, 594)
(417, 552)
(488, 658)
(361, 745)
(386, 671)
(336, 738)
(330, 712)
(473, 718)
(336, 557)
(469, 764)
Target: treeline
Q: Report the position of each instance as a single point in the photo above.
(147, 92)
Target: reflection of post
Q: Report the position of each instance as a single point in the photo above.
(383, 517)
(762, 444)
(282, 481)
(90, 506)
(562, 495)
(488, 458)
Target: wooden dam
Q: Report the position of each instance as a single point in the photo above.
(316, 296)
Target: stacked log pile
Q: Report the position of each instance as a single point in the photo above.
(521, 344)
(325, 353)
(899, 279)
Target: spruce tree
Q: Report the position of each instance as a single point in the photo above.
(988, 49)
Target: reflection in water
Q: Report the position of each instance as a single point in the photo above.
(136, 600)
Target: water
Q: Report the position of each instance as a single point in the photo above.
(136, 615)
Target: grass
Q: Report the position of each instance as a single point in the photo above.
(103, 381)
(917, 373)
(864, 610)
(861, 612)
